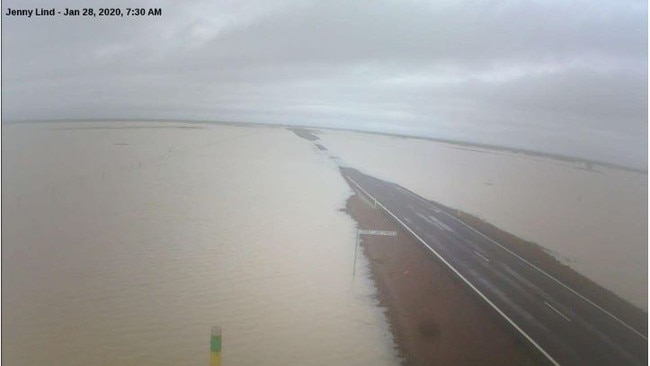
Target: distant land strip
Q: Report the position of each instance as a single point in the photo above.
(589, 164)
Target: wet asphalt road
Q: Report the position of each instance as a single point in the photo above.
(565, 327)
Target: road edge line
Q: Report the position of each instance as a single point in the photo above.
(539, 348)
(629, 327)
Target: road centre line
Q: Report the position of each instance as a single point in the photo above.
(481, 255)
(529, 338)
(542, 271)
(557, 311)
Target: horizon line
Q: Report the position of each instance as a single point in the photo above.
(516, 150)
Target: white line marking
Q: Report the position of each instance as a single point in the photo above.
(363, 190)
(481, 255)
(557, 311)
(465, 280)
(544, 273)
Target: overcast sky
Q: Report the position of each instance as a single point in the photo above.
(558, 76)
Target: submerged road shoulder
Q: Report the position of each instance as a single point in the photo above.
(563, 325)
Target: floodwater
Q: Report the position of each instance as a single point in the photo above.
(594, 220)
(123, 243)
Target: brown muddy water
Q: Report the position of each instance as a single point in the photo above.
(122, 244)
(594, 219)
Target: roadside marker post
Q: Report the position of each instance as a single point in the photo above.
(215, 346)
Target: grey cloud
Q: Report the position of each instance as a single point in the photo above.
(549, 75)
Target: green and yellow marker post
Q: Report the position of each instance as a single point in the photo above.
(215, 346)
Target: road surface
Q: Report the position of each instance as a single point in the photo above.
(565, 327)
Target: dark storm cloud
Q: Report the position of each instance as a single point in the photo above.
(557, 76)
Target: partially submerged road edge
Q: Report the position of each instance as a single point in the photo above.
(564, 326)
